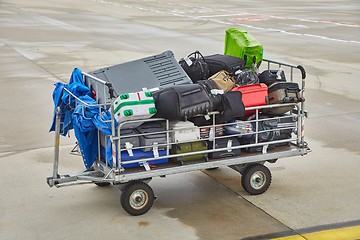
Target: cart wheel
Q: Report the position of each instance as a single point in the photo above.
(137, 198)
(102, 184)
(256, 179)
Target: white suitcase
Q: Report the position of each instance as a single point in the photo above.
(183, 131)
(134, 106)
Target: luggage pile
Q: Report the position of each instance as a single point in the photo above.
(165, 108)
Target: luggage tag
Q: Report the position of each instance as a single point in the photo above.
(113, 152)
(216, 91)
(211, 134)
(151, 89)
(238, 72)
(188, 61)
(278, 73)
(229, 145)
(264, 148)
(156, 150)
(129, 146)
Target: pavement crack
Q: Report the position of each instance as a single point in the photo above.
(257, 207)
(19, 151)
(28, 59)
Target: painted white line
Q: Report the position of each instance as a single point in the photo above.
(239, 24)
(221, 22)
(261, 15)
(293, 25)
(271, 16)
(326, 38)
(225, 15)
(292, 33)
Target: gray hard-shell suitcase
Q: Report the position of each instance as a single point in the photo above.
(132, 138)
(152, 134)
(159, 70)
(128, 135)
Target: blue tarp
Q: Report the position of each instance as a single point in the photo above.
(66, 103)
(86, 120)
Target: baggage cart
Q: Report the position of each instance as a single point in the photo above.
(137, 196)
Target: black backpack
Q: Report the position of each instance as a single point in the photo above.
(195, 66)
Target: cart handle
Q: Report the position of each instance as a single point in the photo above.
(111, 89)
(302, 70)
(108, 84)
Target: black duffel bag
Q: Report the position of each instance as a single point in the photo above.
(230, 107)
(180, 102)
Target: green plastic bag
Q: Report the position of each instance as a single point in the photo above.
(238, 43)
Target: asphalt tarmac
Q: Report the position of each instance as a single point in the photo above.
(41, 42)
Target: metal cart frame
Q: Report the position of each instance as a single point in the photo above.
(137, 196)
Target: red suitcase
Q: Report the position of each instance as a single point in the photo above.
(253, 95)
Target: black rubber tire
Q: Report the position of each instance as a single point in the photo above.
(137, 193)
(102, 184)
(256, 179)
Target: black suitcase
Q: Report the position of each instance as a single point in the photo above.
(288, 124)
(195, 66)
(218, 62)
(271, 76)
(181, 102)
(224, 143)
(284, 126)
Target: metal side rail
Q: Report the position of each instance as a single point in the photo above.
(251, 158)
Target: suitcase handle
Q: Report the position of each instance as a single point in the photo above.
(197, 53)
(293, 89)
(228, 154)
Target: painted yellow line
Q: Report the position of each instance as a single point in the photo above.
(348, 233)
